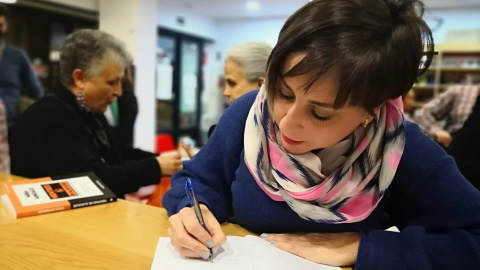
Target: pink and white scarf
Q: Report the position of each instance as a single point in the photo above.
(340, 184)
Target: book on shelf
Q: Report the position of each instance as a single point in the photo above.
(53, 194)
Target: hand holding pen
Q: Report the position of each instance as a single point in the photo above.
(188, 236)
(190, 190)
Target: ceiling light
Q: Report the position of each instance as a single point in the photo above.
(8, 1)
(253, 6)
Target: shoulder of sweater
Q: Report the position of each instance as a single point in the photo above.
(231, 127)
(241, 107)
(420, 152)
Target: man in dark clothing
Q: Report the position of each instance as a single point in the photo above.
(15, 73)
(466, 147)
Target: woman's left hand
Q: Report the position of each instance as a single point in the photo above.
(336, 249)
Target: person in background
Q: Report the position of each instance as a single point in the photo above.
(122, 113)
(66, 132)
(444, 116)
(320, 159)
(15, 73)
(408, 105)
(245, 69)
(4, 152)
(466, 146)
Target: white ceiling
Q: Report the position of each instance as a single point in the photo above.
(236, 9)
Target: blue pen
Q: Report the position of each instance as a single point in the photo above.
(190, 189)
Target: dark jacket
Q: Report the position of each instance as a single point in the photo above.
(55, 137)
(465, 147)
(127, 113)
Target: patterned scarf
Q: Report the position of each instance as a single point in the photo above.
(340, 184)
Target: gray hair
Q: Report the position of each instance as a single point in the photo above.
(89, 50)
(252, 57)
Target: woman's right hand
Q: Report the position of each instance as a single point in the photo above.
(189, 238)
(170, 164)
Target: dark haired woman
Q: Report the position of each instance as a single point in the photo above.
(321, 161)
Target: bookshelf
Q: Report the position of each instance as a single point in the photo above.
(455, 64)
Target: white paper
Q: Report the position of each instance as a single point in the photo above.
(239, 253)
(232, 257)
(265, 256)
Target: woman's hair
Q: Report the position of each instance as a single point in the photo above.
(374, 47)
(252, 57)
(89, 50)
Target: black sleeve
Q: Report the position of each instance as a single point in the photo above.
(60, 146)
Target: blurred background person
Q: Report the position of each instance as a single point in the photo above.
(122, 113)
(442, 117)
(409, 106)
(15, 73)
(4, 153)
(466, 146)
(66, 132)
(245, 70)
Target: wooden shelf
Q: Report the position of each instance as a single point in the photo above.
(432, 87)
(445, 74)
(418, 104)
(458, 48)
(460, 69)
(424, 87)
(432, 69)
(446, 86)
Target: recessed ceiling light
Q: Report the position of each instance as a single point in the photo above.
(253, 6)
(8, 1)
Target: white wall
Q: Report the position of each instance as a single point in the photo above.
(92, 5)
(145, 62)
(131, 22)
(193, 24)
(113, 20)
(461, 19)
(232, 33)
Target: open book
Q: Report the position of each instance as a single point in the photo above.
(238, 253)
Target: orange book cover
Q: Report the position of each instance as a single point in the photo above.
(46, 195)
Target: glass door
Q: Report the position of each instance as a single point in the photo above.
(189, 87)
(166, 56)
(179, 84)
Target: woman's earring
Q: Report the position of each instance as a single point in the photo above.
(80, 100)
(366, 123)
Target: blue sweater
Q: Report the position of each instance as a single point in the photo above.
(15, 74)
(435, 208)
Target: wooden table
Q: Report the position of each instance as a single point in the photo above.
(120, 235)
